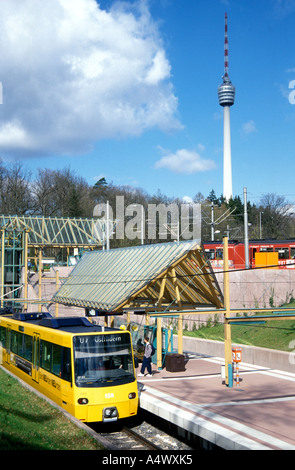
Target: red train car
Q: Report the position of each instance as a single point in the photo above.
(277, 253)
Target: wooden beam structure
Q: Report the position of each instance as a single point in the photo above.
(163, 277)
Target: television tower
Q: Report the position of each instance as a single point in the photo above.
(226, 96)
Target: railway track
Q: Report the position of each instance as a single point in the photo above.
(141, 436)
(127, 439)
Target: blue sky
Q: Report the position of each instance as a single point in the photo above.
(128, 91)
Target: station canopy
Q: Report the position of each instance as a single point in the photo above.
(164, 276)
(57, 231)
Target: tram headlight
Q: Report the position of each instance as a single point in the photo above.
(132, 395)
(82, 401)
(110, 414)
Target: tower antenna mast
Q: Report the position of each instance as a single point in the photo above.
(226, 49)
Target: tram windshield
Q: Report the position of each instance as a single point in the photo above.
(102, 360)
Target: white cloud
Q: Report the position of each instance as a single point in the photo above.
(185, 161)
(160, 69)
(187, 200)
(12, 134)
(249, 127)
(74, 73)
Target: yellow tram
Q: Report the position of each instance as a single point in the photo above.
(86, 369)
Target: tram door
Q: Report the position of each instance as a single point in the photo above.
(36, 357)
(8, 336)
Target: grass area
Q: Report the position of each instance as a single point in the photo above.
(29, 423)
(274, 334)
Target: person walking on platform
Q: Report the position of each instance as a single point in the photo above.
(147, 359)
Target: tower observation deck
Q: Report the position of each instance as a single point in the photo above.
(226, 93)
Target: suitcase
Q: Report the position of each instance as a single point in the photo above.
(175, 362)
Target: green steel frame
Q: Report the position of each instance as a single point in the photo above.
(20, 233)
(13, 259)
(58, 231)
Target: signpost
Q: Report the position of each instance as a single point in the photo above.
(237, 357)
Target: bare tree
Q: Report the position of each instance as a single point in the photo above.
(277, 216)
(61, 193)
(16, 194)
(44, 193)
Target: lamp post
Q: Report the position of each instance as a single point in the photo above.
(246, 230)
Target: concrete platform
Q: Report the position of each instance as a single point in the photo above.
(257, 415)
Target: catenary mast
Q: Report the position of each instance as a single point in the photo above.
(226, 96)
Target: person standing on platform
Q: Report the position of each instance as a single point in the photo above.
(147, 359)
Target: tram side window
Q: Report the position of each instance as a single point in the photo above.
(14, 341)
(56, 359)
(219, 254)
(210, 254)
(66, 373)
(21, 345)
(46, 355)
(2, 336)
(27, 347)
(283, 253)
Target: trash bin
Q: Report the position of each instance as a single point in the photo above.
(175, 362)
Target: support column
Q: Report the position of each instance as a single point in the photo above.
(159, 343)
(180, 320)
(227, 326)
(57, 287)
(2, 266)
(26, 271)
(180, 335)
(159, 324)
(127, 319)
(40, 280)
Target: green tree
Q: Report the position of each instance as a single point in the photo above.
(213, 198)
(235, 204)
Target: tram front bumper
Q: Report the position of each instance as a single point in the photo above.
(110, 414)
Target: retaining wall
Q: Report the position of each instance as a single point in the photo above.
(265, 357)
(263, 288)
(250, 289)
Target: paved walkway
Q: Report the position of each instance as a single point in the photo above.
(259, 414)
